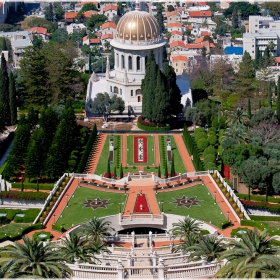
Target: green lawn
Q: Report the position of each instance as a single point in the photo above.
(76, 213)
(11, 229)
(207, 211)
(150, 150)
(103, 160)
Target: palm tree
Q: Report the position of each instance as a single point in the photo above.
(238, 117)
(238, 132)
(184, 227)
(96, 228)
(251, 257)
(189, 241)
(209, 247)
(34, 259)
(75, 246)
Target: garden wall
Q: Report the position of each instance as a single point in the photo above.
(26, 203)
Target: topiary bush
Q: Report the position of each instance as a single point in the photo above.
(209, 158)
(210, 150)
(202, 144)
(212, 139)
(200, 135)
(209, 166)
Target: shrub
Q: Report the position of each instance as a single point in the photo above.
(234, 205)
(24, 195)
(209, 158)
(209, 166)
(151, 126)
(217, 180)
(227, 194)
(221, 185)
(230, 199)
(63, 184)
(204, 232)
(261, 205)
(199, 136)
(237, 210)
(211, 130)
(198, 130)
(225, 224)
(209, 150)
(224, 190)
(241, 215)
(212, 139)
(214, 175)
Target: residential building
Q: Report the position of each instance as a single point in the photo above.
(70, 17)
(232, 59)
(75, 27)
(202, 15)
(40, 31)
(91, 42)
(110, 11)
(173, 17)
(175, 36)
(174, 26)
(258, 23)
(108, 28)
(179, 63)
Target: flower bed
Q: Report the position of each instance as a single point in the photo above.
(260, 205)
(141, 205)
(140, 149)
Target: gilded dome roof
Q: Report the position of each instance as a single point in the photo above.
(138, 26)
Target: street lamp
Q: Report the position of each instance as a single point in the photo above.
(215, 196)
(54, 218)
(125, 185)
(67, 199)
(156, 186)
(228, 215)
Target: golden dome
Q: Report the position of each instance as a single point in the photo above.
(138, 26)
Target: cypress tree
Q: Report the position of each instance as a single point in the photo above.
(235, 18)
(159, 173)
(4, 90)
(269, 101)
(12, 98)
(115, 172)
(108, 169)
(260, 104)
(89, 64)
(172, 167)
(249, 112)
(160, 97)
(166, 170)
(257, 58)
(121, 172)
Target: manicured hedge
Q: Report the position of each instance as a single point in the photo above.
(261, 205)
(151, 126)
(204, 232)
(24, 195)
(234, 232)
(265, 218)
(33, 186)
(18, 235)
(258, 197)
(225, 224)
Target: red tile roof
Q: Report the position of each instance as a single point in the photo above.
(177, 44)
(110, 7)
(85, 38)
(107, 36)
(94, 41)
(277, 59)
(108, 24)
(206, 33)
(194, 46)
(212, 45)
(88, 14)
(200, 14)
(174, 24)
(98, 34)
(70, 15)
(176, 32)
(39, 30)
(179, 58)
(198, 40)
(173, 13)
(189, 27)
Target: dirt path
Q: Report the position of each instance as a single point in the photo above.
(184, 153)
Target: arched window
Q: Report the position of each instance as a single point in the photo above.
(117, 58)
(116, 90)
(129, 63)
(122, 61)
(138, 63)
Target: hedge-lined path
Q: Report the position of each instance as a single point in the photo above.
(146, 186)
(124, 150)
(184, 153)
(97, 153)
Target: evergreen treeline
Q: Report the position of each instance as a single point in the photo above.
(88, 149)
(161, 95)
(8, 109)
(192, 150)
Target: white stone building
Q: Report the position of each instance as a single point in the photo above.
(137, 33)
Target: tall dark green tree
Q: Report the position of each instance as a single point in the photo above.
(159, 173)
(121, 172)
(159, 17)
(4, 90)
(249, 111)
(115, 172)
(165, 170)
(12, 98)
(4, 45)
(49, 14)
(234, 17)
(257, 58)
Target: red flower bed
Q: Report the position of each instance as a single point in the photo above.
(106, 175)
(141, 205)
(136, 148)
